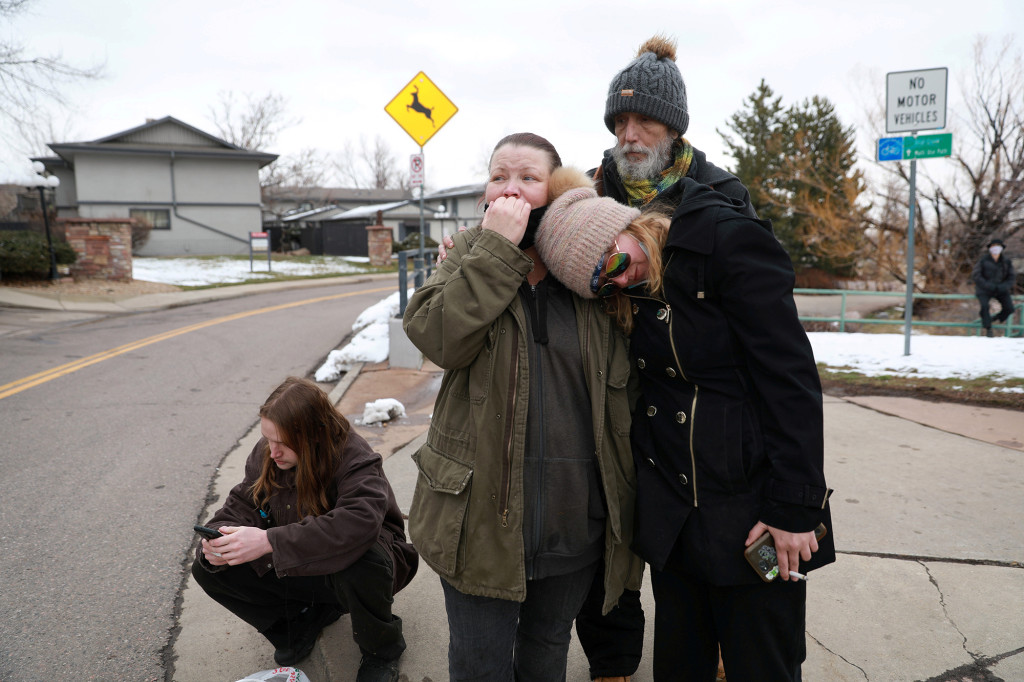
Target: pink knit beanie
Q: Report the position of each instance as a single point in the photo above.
(577, 229)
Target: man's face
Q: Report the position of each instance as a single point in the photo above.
(644, 146)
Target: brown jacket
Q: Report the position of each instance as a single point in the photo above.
(365, 511)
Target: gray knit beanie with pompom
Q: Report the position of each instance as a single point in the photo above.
(650, 85)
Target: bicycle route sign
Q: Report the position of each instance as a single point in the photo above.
(915, 147)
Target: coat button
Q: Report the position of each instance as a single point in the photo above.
(662, 314)
(681, 417)
(652, 410)
(670, 372)
(641, 363)
(600, 372)
(683, 479)
(650, 462)
(636, 308)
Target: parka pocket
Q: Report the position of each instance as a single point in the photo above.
(438, 510)
(473, 383)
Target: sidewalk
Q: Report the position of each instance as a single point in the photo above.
(928, 518)
(928, 584)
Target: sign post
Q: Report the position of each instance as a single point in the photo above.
(259, 242)
(914, 101)
(421, 109)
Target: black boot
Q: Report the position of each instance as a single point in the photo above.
(373, 669)
(303, 631)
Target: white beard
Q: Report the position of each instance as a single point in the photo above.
(656, 159)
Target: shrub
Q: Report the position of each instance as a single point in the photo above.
(140, 233)
(412, 241)
(26, 253)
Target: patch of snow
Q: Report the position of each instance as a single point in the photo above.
(370, 344)
(193, 272)
(380, 411)
(964, 357)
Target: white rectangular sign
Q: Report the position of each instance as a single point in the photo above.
(415, 170)
(259, 241)
(915, 100)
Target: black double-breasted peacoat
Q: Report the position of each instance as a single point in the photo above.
(728, 429)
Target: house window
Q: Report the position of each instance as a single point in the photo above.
(158, 218)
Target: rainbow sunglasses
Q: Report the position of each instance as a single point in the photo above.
(607, 268)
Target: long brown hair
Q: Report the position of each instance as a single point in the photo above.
(308, 423)
(651, 230)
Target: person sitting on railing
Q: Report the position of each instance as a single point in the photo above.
(993, 278)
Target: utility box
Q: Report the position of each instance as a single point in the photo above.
(401, 351)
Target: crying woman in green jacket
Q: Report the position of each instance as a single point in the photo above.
(526, 483)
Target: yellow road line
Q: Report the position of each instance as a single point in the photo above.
(28, 382)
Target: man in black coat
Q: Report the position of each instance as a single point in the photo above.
(993, 278)
(646, 109)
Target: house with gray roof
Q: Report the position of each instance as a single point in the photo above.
(200, 194)
(341, 230)
(284, 201)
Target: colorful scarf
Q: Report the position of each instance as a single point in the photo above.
(639, 193)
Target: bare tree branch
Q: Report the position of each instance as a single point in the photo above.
(373, 166)
(31, 84)
(976, 196)
(254, 123)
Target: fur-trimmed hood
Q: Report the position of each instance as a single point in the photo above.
(565, 178)
(577, 228)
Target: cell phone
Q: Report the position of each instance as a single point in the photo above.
(208, 533)
(762, 558)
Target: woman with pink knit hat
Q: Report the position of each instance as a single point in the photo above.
(526, 484)
(727, 433)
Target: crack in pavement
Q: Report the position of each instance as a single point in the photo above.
(945, 611)
(839, 656)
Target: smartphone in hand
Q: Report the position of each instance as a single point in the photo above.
(208, 533)
(762, 557)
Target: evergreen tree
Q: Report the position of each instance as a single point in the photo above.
(824, 223)
(798, 164)
(756, 148)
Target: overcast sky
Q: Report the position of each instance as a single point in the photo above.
(539, 66)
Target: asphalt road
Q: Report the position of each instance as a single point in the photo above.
(107, 462)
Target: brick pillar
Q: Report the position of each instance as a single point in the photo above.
(103, 245)
(379, 239)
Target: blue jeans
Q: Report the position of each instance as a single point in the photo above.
(498, 640)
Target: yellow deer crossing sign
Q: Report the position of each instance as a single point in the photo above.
(421, 108)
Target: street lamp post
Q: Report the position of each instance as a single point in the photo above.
(42, 182)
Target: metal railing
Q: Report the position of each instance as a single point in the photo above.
(1014, 326)
(421, 270)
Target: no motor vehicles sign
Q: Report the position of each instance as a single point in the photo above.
(915, 100)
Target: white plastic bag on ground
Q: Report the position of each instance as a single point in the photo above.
(277, 675)
(380, 411)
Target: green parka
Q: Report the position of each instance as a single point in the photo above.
(467, 511)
